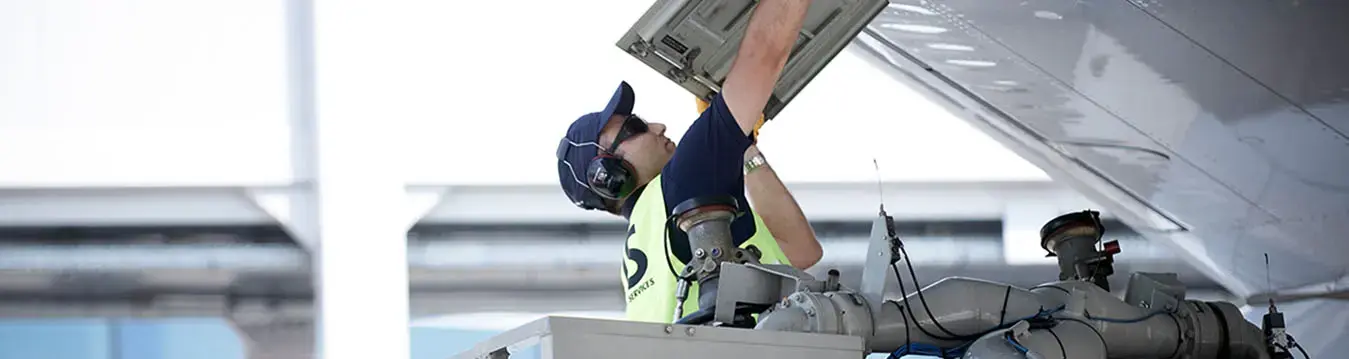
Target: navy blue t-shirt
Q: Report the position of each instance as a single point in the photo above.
(709, 161)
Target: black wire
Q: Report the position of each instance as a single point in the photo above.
(1002, 318)
(950, 336)
(926, 308)
(916, 323)
(1093, 330)
(918, 289)
(668, 263)
(1056, 338)
(905, 291)
(1304, 352)
(907, 338)
(1293, 341)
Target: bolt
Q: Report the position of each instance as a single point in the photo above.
(669, 329)
(716, 252)
(689, 331)
(1189, 333)
(699, 253)
(810, 312)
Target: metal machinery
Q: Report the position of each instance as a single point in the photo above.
(804, 317)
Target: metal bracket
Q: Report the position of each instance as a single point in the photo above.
(763, 284)
(881, 253)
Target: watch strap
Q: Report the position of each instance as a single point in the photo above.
(755, 162)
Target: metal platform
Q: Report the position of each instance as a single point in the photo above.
(557, 337)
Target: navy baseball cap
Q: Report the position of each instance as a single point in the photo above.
(582, 144)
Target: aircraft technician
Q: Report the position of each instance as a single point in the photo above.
(614, 161)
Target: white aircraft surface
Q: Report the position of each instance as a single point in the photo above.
(1218, 127)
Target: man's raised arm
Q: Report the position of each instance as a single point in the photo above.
(773, 28)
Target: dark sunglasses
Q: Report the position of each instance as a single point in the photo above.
(632, 126)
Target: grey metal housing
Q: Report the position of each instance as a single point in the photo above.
(1155, 321)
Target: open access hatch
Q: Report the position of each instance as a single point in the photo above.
(693, 42)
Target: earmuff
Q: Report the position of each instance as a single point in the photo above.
(607, 176)
(611, 177)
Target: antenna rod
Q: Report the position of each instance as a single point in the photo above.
(880, 189)
(1269, 284)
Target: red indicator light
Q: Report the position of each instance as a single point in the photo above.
(1112, 247)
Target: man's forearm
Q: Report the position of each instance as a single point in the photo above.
(771, 200)
(773, 29)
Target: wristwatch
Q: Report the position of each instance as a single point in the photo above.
(755, 162)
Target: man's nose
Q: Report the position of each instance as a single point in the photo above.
(658, 128)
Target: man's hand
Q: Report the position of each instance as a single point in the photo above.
(702, 106)
(774, 26)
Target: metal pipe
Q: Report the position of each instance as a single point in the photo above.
(707, 222)
(1129, 331)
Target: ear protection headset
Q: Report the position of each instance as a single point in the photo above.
(607, 175)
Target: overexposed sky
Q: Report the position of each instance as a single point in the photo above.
(484, 90)
(544, 67)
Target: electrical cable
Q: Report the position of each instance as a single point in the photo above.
(956, 352)
(908, 339)
(921, 298)
(1062, 349)
(1293, 342)
(1104, 344)
(950, 336)
(1041, 313)
(916, 323)
(1304, 352)
(668, 263)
